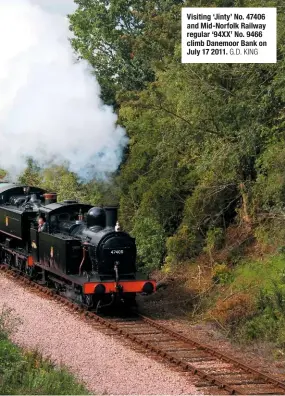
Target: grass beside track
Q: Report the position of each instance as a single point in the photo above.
(26, 372)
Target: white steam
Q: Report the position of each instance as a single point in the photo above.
(49, 105)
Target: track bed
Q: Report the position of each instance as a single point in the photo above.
(216, 372)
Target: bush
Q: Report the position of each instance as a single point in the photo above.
(260, 327)
(257, 310)
(150, 240)
(269, 322)
(214, 240)
(222, 274)
(234, 310)
(183, 244)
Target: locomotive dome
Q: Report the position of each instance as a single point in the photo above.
(96, 217)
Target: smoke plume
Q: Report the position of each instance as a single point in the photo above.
(49, 104)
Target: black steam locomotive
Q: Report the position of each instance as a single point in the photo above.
(80, 253)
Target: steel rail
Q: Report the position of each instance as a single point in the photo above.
(212, 379)
(215, 352)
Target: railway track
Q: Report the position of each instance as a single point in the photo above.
(216, 373)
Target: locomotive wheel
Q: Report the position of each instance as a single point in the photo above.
(57, 288)
(87, 300)
(8, 259)
(30, 271)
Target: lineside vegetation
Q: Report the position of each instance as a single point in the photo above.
(26, 372)
(206, 153)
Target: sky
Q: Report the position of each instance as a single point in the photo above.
(50, 106)
(62, 7)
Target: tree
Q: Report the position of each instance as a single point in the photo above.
(205, 140)
(67, 185)
(31, 175)
(106, 34)
(3, 174)
(150, 240)
(59, 179)
(196, 135)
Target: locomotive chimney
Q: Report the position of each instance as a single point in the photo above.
(50, 198)
(111, 216)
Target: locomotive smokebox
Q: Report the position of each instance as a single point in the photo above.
(111, 216)
(50, 198)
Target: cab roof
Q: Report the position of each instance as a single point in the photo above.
(61, 207)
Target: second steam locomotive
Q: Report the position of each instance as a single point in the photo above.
(78, 250)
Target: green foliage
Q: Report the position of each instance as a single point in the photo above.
(23, 372)
(31, 175)
(271, 231)
(259, 290)
(119, 39)
(261, 327)
(64, 182)
(236, 254)
(214, 239)
(206, 140)
(222, 274)
(257, 275)
(269, 188)
(150, 240)
(200, 145)
(67, 184)
(269, 320)
(183, 244)
(3, 174)
(104, 35)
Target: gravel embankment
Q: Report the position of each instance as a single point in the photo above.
(102, 362)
